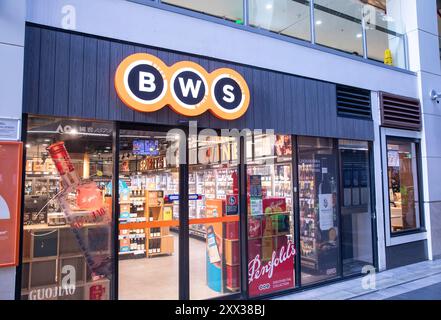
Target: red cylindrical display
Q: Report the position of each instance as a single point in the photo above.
(63, 163)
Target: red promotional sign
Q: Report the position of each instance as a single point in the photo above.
(97, 292)
(276, 274)
(10, 197)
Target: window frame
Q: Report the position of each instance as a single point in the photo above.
(411, 235)
(311, 43)
(183, 185)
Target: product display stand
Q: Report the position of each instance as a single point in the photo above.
(159, 239)
(232, 256)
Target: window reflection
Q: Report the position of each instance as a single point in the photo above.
(318, 209)
(68, 210)
(226, 9)
(270, 214)
(403, 185)
(287, 17)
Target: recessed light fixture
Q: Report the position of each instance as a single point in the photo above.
(359, 35)
(269, 6)
(318, 22)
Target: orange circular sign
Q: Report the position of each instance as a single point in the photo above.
(145, 83)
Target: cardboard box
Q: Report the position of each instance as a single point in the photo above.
(98, 290)
(274, 205)
(254, 227)
(254, 248)
(233, 277)
(232, 230)
(232, 252)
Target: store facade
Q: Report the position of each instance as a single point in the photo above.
(401, 139)
(198, 211)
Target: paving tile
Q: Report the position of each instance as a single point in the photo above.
(390, 284)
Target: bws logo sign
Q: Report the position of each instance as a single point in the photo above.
(145, 83)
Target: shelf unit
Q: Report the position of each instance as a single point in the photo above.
(48, 249)
(308, 217)
(232, 256)
(211, 184)
(137, 242)
(159, 241)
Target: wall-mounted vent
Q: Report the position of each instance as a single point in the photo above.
(400, 112)
(353, 102)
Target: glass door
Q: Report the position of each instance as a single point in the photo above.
(356, 207)
(148, 215)
(214, 245)
(318, 200)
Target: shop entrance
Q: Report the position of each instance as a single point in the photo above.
(151, 228)
(190, 216)
(148, 216)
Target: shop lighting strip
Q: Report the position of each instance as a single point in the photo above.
(73, 133)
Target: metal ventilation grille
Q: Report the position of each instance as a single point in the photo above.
(400, 112)
(353, 102)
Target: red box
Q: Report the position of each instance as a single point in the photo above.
(233, 277)
(282, 241)
(254, 248)
(254, 227)
(232, 230)
(274, 205)
(232, 252)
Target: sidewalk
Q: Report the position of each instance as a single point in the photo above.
(409, 282)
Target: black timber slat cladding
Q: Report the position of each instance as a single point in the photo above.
(72, 74)
(400, 112)
(353, 102)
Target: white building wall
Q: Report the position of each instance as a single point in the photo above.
(423, 38)
(151, 26)
(124, 20)
(12, 30)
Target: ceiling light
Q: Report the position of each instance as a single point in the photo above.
(318, 22)
(28, 145)
(359, 35)
(269, 6)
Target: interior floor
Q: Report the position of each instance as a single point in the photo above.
(157, 278)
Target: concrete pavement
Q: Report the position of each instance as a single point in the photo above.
(420, 279)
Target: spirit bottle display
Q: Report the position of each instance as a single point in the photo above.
(81, 202)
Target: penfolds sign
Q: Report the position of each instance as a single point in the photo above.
(273, 275)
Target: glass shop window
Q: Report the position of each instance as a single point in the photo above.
(318, 197)
(402, 173)
(214, 217)
(231, 10)
(67, 252)
(270, 214)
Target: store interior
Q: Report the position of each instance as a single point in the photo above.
(148, 211)
(54, 253)
(149, 192)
